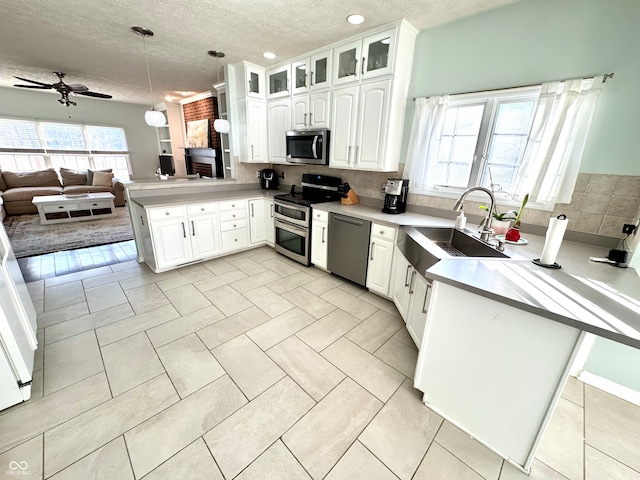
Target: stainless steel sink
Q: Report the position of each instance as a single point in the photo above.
(425, 246)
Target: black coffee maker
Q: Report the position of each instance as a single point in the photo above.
(395, 199)
(269, 179)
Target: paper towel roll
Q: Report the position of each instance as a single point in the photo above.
(555, 233)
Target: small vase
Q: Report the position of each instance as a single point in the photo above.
(513, 235)
(500, 227)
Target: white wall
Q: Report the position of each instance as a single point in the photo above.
(142, 139)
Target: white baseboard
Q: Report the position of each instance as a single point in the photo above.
(620, 391)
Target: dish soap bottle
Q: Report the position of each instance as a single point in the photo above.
(461, 220)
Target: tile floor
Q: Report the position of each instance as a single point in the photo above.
(254, 367)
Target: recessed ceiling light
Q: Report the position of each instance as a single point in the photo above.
(269, 55)
(355, 19)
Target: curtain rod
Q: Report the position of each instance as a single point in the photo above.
(604, 79)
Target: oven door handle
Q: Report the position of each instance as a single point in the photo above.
(313, 146)
(290, 226)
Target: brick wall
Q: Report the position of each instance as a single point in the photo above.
(207, 108)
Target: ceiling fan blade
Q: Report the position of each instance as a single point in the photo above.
(34, 86)
(48, 85)
(76, 87)
(94, 94)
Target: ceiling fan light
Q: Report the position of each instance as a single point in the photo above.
(155, 118)
(221, 125)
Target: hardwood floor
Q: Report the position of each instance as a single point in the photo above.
(70, 261)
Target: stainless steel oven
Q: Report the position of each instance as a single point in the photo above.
(292, 215)
(293, 241)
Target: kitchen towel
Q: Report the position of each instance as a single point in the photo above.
(555, 233)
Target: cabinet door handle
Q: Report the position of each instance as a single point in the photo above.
(305, 120)
(193, 229)
(311, 82)
(184, 232)
(252, 211)
(406, 276)
(349, 155)
(373, 246)
(141, 220)
(424, 302)
(411, 284)
(355, 160)
(310, 116)
(362, 66)
(323, 229)
(251, 152)
(272, 210)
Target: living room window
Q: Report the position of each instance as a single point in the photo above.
(27, 145)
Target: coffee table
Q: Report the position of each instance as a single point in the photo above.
(74, 208)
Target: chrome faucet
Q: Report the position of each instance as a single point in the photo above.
(485, 227)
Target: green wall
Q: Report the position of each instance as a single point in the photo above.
(141, 138)
(534, 41)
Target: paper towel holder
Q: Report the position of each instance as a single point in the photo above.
(554, 265)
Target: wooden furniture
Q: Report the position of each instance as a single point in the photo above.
(74, 208)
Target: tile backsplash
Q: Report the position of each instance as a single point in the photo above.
(600, 204)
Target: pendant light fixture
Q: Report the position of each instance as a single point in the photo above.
(153, 117)
(220, 125)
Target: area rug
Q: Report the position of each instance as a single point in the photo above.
(28, 237)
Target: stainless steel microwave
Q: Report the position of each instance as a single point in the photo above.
(309, 147)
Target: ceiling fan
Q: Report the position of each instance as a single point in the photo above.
(64, 89)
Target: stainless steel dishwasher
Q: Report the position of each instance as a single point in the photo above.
(348, 247)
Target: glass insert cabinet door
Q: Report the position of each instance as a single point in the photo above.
(300, 75)
(278, 82)
(320, 70)
(347, 62)
(377, 54)
(255, 82)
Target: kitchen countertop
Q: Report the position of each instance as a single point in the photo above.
(594, 297)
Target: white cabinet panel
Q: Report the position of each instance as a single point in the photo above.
(300, 112)
(400, 279)
(171, 244)
(257, 224)
(417, 313)
(270, 230)
(279, 120)
(205, 236)
(344, 109)
(372, 123)
(319, 239)
(256, 131)
(380, 259)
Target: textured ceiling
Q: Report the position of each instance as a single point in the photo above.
(92, 43)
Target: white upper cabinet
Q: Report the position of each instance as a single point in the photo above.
(300, 74)
(343, 132)
(254, 82)
(256, 132)
(320, 76)
(310, 111)
(279, 82)
(367, 58)
(278, 123)
(346, 60)
(373, 112)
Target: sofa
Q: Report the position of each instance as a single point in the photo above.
(17, 189)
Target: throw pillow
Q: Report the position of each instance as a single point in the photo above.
(3, 186)
(40, 178)
(91, 172)
(72, 177)
(102, 179)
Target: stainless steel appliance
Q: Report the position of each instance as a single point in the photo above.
(349, 255)
(292, 217)
(308, 147)
(395, 199)
(269, 179)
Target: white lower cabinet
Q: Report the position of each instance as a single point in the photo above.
(184, 234)
(270, 229)
(234, 225)
(319, 238)
(381, 247)
(204, 230)
(410, 292)
(258, 220)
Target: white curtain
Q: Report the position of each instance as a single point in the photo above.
(551, 161)
(424, 142)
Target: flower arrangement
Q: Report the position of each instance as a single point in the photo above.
(513, 235)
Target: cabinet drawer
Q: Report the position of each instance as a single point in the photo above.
(320, 216)
(202, 208)
(231, 215)
(232, 205)
(164, 213)
(235, 239)
(64, 207)
(94, 204)
(228, 226)
(382, 231)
